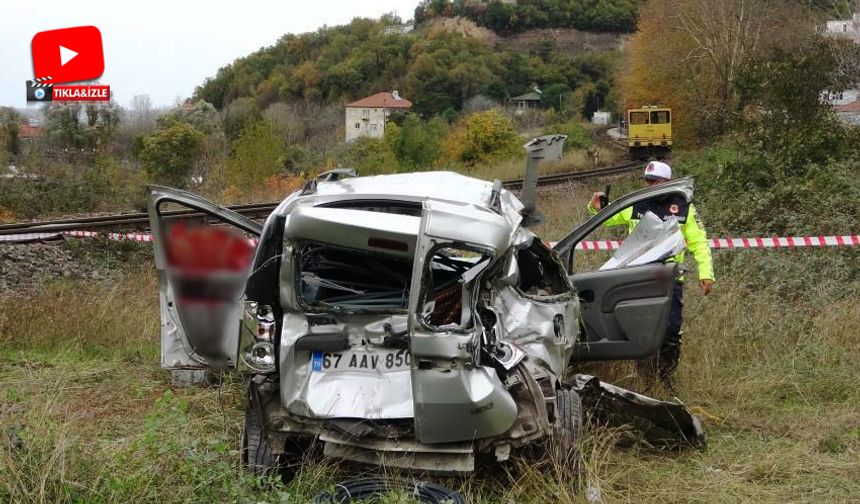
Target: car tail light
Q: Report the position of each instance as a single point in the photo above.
(265, 323)
(265, 331)
(261, 357)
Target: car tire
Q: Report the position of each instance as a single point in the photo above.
(568, 408)
(257, 455)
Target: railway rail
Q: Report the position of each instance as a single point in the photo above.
(140, 220)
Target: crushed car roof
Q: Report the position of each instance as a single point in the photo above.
(309, 216)
(439, 185)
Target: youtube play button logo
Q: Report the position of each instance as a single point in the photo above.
(68, 54)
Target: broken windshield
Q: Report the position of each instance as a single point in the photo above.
(338, 278)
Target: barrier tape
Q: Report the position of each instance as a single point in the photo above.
(748, 243)
(142, 237)
(715, 243)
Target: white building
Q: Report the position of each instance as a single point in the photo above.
(846, 28)
(849, 112)
(601, 117)
(367, 116)
(842, 97)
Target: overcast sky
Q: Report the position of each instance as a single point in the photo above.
(164, 48)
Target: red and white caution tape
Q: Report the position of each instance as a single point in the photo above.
(597, 244)
(749, 243)
(787, 242)
(31, 237)
(715, 243)
(140, 237)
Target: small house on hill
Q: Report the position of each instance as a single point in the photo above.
(29, 131)
(849, 112)
(532, 99)
(367, 116)
(844, 28)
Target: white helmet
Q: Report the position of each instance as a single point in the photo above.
(656, 170)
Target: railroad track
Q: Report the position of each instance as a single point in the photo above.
(136, 220)
(600, 135)
(140, 220)
(561, 178)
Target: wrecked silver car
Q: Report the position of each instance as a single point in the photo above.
(411, 320)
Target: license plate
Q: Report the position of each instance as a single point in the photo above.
(361, 361)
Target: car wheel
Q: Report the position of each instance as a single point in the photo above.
(568, 407)
(256, 453)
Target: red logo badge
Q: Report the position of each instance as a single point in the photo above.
(650, 167)
(673, 209)
(68, 54)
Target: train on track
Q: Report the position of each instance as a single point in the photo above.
(649, 132)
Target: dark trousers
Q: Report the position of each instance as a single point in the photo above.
(670, 353)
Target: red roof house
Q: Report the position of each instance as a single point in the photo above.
(385, 99)
(367, 116)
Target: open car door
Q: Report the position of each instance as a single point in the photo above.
(624, 312)
(202, 268)
(455, 398)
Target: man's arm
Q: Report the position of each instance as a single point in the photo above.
(622, 218)
(697, 243)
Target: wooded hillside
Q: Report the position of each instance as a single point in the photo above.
(434, 68)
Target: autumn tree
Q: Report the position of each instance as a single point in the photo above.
(480, 137)
(690, 54)
(287, 121)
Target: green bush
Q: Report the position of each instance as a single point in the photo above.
(480, 137)
(742, 192)
(417, 144)
(60, 188)
(556, 96)
(372, 156)
(257, 154)
(169, 154)
(578, 136)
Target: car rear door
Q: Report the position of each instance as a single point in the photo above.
(624, 312)
(203, 254)
(455, 398)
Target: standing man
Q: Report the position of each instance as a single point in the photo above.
(657, 172)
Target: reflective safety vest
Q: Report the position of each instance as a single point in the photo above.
(691, 228)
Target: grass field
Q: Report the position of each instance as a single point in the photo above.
(87, 416)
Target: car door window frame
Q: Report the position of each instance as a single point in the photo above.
(193, 206)
(566, 247)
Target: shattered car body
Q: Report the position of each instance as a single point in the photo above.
(410, 320)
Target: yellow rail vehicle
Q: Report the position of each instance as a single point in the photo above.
(649, 132)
